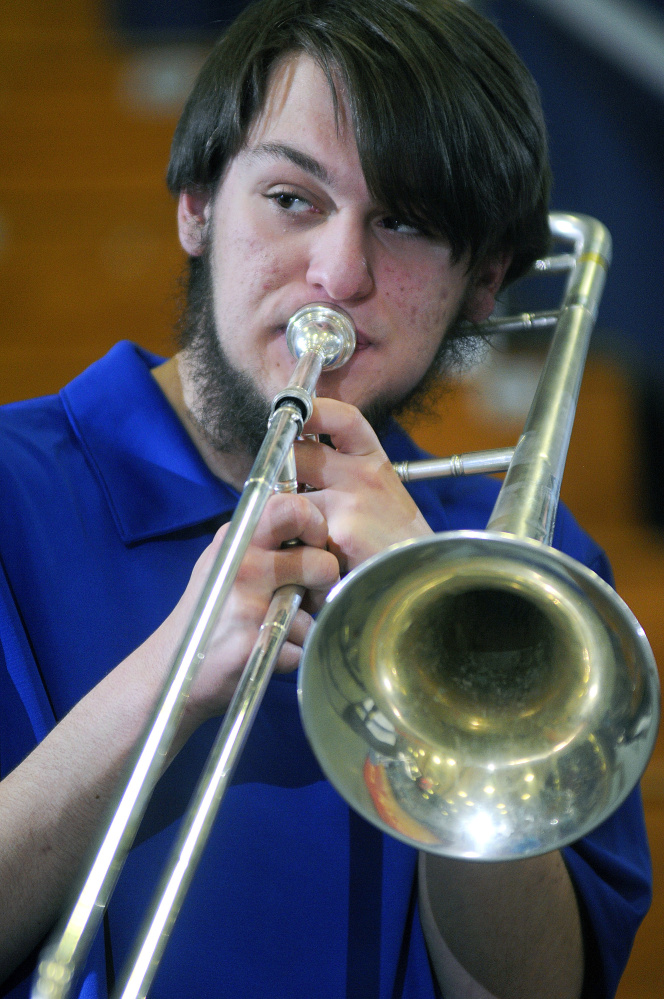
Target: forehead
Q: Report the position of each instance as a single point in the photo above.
(299, 95)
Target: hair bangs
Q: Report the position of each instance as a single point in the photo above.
(447, 119)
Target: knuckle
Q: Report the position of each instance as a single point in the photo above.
(256, 572)
(325, 570)
(290, 509)
(355, 418)
(289, 658)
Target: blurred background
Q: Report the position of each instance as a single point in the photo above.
(90, 92)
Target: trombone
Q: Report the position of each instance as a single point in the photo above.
(475, 694)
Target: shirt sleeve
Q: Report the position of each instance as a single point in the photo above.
(26, 715)
(612, 875)
(610, 867)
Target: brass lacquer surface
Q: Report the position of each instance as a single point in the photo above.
(492, 697)
(486, 695)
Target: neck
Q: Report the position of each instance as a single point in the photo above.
(172, 380)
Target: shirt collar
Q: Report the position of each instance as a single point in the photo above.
(153, 477)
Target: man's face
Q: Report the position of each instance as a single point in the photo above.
(293, 223)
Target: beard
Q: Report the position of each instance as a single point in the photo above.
(230, 410)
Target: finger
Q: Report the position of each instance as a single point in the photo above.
(349, 431)
(291, 651)
(313, 568)
(357, 458)
(288, 516)
(289, 658)
(321, 467)
(313, 600)
(302, 622)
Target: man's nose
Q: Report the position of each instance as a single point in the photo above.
(339, 260)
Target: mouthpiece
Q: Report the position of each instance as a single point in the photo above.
(325, 329)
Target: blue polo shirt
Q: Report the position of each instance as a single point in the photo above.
(106, 505)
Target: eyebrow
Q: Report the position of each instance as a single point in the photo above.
(278, 150)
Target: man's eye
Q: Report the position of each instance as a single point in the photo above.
(290, 202)
(393, 224)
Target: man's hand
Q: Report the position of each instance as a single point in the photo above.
(366, 507)
(51, 804)
(265, 567)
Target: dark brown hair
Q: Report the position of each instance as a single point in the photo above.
(447, 119)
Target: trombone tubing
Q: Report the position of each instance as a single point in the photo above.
(65, 951)
(543, 443)
(572, 335)
(154, 933)
(528, 500)
(471, 463)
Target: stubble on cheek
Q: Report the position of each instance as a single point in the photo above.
(245, 313)
(424, 299)
(430, 311)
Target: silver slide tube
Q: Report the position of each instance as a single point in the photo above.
(321, 337)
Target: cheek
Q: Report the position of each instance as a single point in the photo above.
(265, 268)
(417, 291)
(246, 270)
(423, 301)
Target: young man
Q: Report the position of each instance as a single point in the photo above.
(389, 158)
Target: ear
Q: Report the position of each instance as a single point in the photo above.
(193, 214)
(485, 282)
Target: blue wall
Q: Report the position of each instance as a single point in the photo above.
(607, 150)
